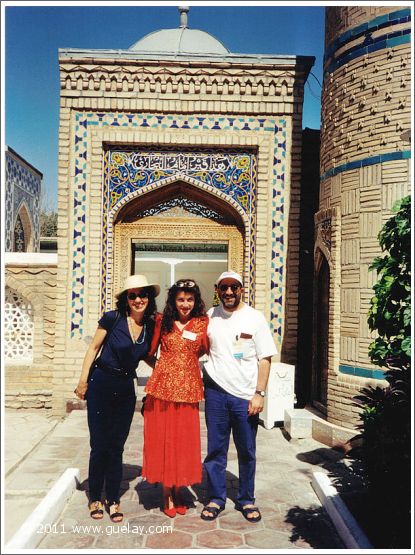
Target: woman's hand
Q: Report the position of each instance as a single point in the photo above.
(80, 390)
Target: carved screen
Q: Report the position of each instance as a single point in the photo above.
(18, 327)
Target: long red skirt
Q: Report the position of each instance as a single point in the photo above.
(172, 452)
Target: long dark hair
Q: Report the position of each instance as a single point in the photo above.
(170, 313)
(150, 312)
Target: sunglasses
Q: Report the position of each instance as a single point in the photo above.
(142, 295)
(185, 283)
(234, 287)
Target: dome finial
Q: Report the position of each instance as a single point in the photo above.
(183, 16)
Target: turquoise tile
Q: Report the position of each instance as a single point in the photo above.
(378, 20)
(346, 369)
(363, 372)
(399, 13)
(360, 29)
(391, 156)
(398, 40)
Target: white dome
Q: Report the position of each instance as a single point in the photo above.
(181, 40)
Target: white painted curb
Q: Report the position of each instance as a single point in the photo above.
(345, 523)
(47, 512)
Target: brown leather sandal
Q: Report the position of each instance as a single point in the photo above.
(96, 510)
(114, 512)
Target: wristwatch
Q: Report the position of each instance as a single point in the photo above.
(258, 392)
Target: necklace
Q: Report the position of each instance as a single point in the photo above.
(134, 337)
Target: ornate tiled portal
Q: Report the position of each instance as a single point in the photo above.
(128, 172)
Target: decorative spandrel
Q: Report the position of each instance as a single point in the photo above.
(231, 172)
(180, 206)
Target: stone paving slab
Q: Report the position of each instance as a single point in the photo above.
(24, 429)
(292, 514)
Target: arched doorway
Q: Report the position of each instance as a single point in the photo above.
(321, 334)
(23, 231)
(177, 232)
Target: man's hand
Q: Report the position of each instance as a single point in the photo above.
(256, 405)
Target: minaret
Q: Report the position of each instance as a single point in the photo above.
(364, 169)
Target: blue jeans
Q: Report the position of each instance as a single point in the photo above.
(225, 413)
(111, 403)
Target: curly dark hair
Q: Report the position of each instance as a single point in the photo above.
(170, 313)
(149, 314)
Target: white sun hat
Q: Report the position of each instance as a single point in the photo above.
(138, 281)
(230, 274)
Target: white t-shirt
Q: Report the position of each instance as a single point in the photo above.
(238, 340)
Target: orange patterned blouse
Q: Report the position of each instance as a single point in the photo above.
(176, 376)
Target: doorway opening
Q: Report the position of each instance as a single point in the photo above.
(165, 263)
(321, 351)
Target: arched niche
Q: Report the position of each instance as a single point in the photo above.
(202, 219)
(23, 230)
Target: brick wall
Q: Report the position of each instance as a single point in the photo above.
(33, 276)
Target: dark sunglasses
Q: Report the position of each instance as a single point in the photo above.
(185, 283)
(142, 295)
(234, 287)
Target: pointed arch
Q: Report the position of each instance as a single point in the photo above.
(23, 229)
(163, 190)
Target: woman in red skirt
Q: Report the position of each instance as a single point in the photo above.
(172, 453)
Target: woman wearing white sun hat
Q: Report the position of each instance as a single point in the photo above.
(107, 384)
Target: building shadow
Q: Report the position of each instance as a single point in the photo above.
(345, 471)
(129, 473)
(313, 527)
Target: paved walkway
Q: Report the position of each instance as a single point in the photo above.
(292, 514)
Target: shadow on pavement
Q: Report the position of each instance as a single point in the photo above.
(313, 527)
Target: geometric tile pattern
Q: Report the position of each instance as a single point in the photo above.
(369, 37)
(22, 187)
(19, 237)
(84, 120)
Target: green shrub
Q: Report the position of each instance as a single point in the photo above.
(386, 412)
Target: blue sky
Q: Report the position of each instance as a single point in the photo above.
(35, 33)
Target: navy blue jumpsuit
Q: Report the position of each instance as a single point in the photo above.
(111, 403)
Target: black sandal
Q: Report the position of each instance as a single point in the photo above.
(213, 512)
(249, 510)
(115, 514)
(96, 510)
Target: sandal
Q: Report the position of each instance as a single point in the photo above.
(213, 512)
(180, 507)
(169, 511)
(96, 510)
(114, 512)
(249, 510)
